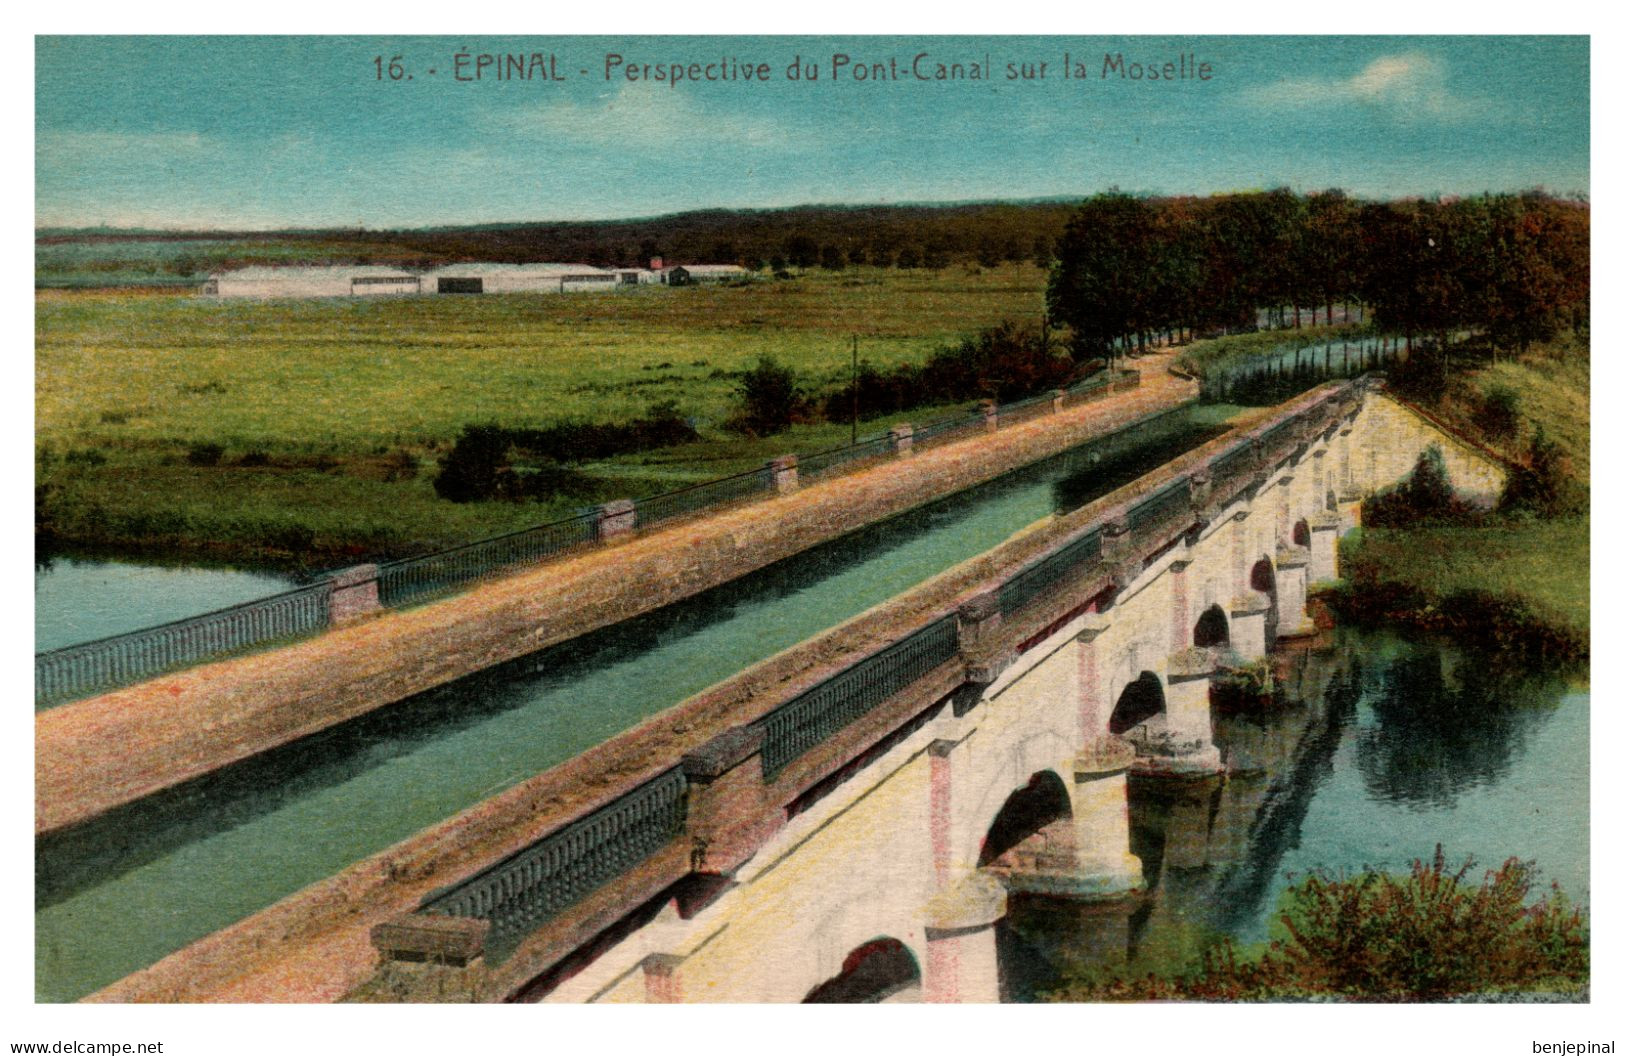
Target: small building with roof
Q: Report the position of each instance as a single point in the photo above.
(696, 274)
(518, 278)
(265, 282)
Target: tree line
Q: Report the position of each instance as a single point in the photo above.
(1514, 267)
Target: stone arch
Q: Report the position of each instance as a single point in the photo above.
(1262, 579)
(1140, 701)
(882, 969)
(1301, 536)
(1041, 801)
(1018, 762)
(1212, 628)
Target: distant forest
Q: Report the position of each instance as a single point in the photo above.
(905, 236)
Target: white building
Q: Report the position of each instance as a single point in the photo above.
(518, 278)
(692, 274)
(312, 281)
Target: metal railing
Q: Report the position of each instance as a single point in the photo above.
(120, 660)
(1025, 410)
(1169, 503)
(709, 495)
(1044, 573)
(826, 463)
(947, 430)
(565, 866)
(412, 579)
(807, 720)
(92, 667)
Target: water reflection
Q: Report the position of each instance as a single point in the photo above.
(1376, 749)
(1443, 727)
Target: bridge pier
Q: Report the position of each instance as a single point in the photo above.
(961, 946)
(1185, 748)
(1099, 794)
(1348, 511)
(1323, 533)
(1249, 616)
(1292, 592)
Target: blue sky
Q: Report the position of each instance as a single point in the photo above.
(244, 132)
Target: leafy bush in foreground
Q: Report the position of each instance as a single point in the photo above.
(1374, 936)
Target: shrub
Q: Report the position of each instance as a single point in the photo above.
(1374, 936)
(1004, 363)
(1497, 416)
(204, 454)
(1426, 495)
(1544, 486)
(472, 469)
(771, 400)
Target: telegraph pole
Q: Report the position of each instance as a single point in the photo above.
(854, 390)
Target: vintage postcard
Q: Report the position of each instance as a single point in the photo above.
(770, 519)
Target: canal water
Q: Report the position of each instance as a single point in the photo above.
(119, 893)
(1388, 747)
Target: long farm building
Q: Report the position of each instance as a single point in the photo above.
(466, 278)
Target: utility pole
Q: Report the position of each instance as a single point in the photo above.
(854, 390)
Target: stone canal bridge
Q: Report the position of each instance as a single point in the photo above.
(847, 820)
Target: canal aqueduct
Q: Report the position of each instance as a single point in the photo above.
(833, 844)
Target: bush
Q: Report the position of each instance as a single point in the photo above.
(771, 400)
(1004, 363)
(1544, 486)
(473, 468)
(1375, 936)
(1497, 416)
(204, 454)
(1426, 495)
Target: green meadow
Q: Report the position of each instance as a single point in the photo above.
(167, 421)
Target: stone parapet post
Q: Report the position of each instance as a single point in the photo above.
(616, 520)
(961, 948)
(1057, 400)
(902, 440)
(431, 937)
(784, 474)
(661, 983)
(355, 594)
(729, 815)
(990, 414)
(1292, 592)
(979, 623)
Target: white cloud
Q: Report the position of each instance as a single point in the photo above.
(647, 117)
(65, 147)
(1407, 86)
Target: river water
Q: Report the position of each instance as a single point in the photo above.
(121, 892)
(78, 599)
(1390, 746)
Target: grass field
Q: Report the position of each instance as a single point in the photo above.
(347, 404)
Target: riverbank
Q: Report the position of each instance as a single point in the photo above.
(1515, 581)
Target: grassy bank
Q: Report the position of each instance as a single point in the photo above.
(1511, 579)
